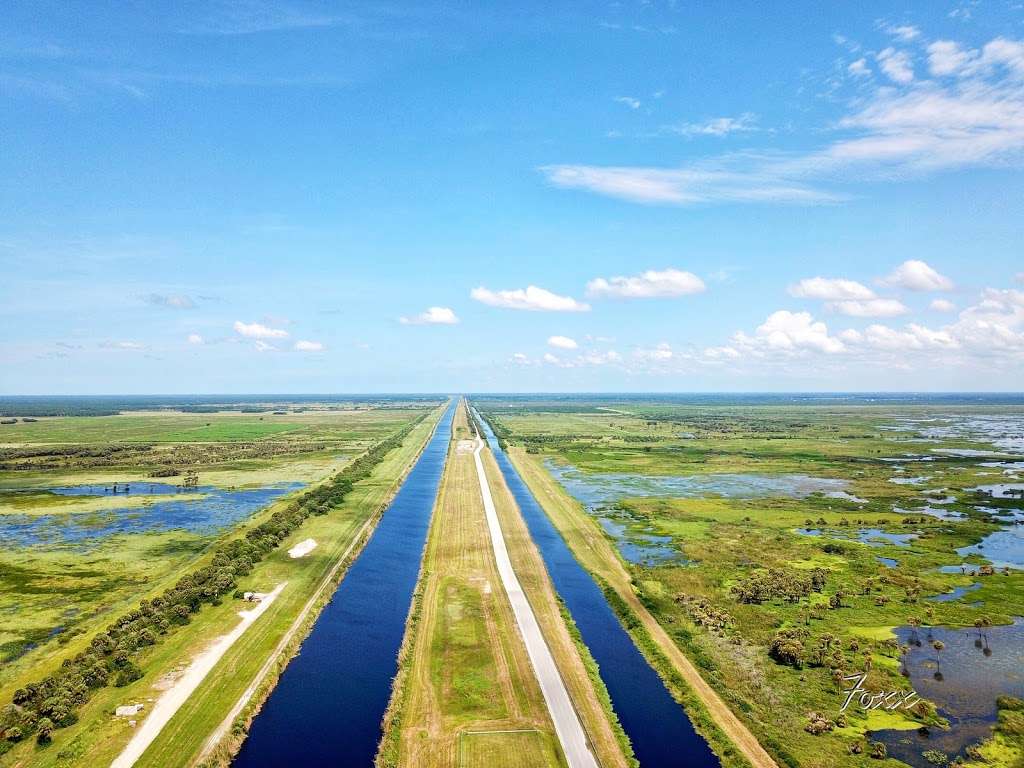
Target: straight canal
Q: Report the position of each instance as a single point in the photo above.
(656, 724)
(327, 707)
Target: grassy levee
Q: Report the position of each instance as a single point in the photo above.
(466, 693)
(729, 737)
(605, 736)
(98, 737)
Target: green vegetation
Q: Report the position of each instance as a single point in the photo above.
(57, 598)
(773, 618)
(53, 701)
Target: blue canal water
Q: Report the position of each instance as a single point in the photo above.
(658, 727)
(206, 509)
(327, 707)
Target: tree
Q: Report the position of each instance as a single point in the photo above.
(938, 645)
(44, 730)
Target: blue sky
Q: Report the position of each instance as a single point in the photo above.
(307, 197)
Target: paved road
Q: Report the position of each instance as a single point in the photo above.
(567, 723)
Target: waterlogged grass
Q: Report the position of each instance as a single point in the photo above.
(728, 540)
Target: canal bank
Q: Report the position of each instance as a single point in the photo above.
(327, 706)
(658, 727)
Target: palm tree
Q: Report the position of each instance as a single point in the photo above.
(938, 645)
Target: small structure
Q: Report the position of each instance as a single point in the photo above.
(129, 710)
(253, 597)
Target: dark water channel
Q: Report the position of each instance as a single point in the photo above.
(327, 707)
(661, 733)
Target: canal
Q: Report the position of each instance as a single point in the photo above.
(328, 704)
(656, 724)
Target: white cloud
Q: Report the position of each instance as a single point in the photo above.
(531, 298)
(913, 337)
(128, 346)
(896, 65)
(599, 358)
(916, 275)
(432, 316)
(868, 307)
(520, 359)
(721, 353)
(174, 301)
(790, 332)
(830, 289)
(259, 331)
(1019, 277)
(551, 359)
(895, 131)
(562, 342)
(195, 338)
(946, 57)
(629, 101)
(942, 305)
(904, 32)
(684, 186)
(660, 353)
(859, 68)
(309, 346)
(650, 284)
(718, 126)
(262, 346)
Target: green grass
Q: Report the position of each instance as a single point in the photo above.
(726, 540)
(507, 749)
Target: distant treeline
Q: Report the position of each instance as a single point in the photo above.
(110, 405)
(112, 657)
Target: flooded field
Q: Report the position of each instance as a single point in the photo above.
(963, 679)
(205, 509)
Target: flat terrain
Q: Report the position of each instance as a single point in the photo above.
(467, 694)
(723, 594)
(99, 736)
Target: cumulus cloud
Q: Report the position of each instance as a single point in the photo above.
(174, 301)
(859, 68)
(309, 346)
(942, 305)
(947, 57)
(916, 275)
(868, 308)
(531, 298)
(650, 284)
(896, 65)
(562, 342)
(847, 297)
(551, 359)
(259, 331)
(830, 289)
(629, 101)
(432, 316)
(195, 338)
(911, 338)
(790, 332)
(903, 32)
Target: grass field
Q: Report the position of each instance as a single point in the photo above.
(153, 561)
(466, 693)
(686, 613)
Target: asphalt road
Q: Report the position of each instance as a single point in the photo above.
(567, 724)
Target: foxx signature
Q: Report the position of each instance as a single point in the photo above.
(881, 700)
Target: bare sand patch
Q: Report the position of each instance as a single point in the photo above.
(302, 549)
